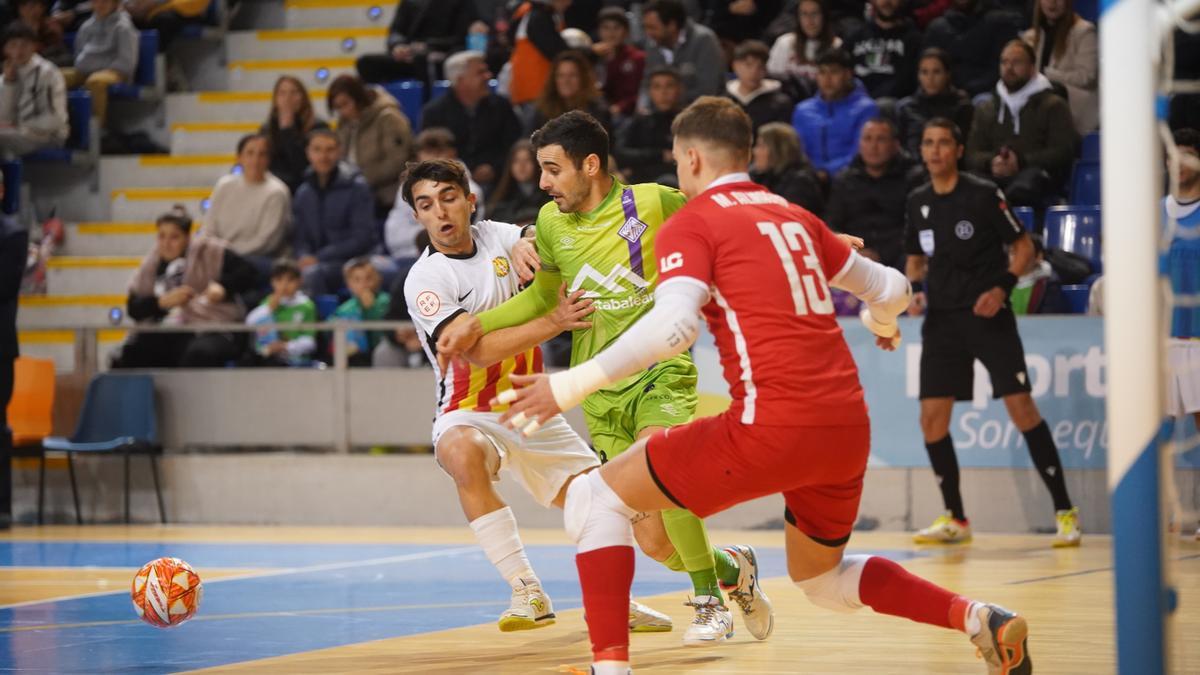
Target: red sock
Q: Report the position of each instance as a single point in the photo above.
(606, 575)
(888, 588)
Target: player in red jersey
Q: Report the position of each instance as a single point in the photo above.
(759, 269)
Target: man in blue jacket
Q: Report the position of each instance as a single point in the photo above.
(830, 123)
(333, 215)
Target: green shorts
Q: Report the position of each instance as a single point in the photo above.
(664, 396)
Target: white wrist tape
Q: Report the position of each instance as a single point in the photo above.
(570, 387)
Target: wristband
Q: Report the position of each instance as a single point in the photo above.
(1007, 282)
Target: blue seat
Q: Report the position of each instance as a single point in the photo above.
(118, 416)
(1077, 296)
(1088, 9)
(411, 95)
(440, 87)
(148, 81)
(326, 305)
(1075, 229)
(1090, 152)
(1026, 216)
(1085, 183)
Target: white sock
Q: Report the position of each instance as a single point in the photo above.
(497, 535)
(610, 668)
(972, 626)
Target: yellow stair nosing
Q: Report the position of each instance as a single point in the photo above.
(331, 4)
(44, 337)
(156, 194)
(69, 300)
(231, 97)
(77, 262)
(293, 64)
(215, 127)
(115, 228)
(321, 33)
(185, 160)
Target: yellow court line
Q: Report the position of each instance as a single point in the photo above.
(331, 4)
(185, 160)
(115, 228)
(156, 194)
(322, 33)
(293, 64)
(215, 127)
(75, 262)
(222, 97)
(68, 300)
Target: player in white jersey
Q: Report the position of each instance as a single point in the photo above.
(472, 268)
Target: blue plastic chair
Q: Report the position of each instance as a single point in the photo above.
(1077, 296)
(1090, 152)
(118, 415)
(411, 95)
(145, 77)
(1025, 215)
(1085, 183)
(1075, 229)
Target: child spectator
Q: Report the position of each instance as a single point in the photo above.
(1038, 289)
(622, 64)
(366, 303)
(33, 97)
(830, 123)
(286, 304)
(762, 98)
(106, 53)
(291, 120)
(50, 44)
(643, 146)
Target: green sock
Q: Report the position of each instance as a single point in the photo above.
(727, 568)
(690, 539)
(674, 563)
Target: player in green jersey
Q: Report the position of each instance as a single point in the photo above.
(598, 235)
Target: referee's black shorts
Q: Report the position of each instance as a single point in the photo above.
(952, 340)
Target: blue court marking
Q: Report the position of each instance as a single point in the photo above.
(407, 590)
(135, 554)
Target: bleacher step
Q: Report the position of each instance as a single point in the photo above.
(325, 13)
(108, 239)
(88, 275)
(147, 204)
(311, 42)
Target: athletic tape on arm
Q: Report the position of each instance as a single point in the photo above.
(885, 291)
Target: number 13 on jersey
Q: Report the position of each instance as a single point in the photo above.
(810, 292)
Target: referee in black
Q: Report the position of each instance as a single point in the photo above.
(14, 247)
(958, 226)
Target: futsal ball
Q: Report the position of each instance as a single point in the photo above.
(166, 592)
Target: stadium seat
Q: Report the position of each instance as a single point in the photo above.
(83, 145)
(1077, 296)
(411, 95)
(1090, 152)
(1075, 229)
(30, 414)
(118, 415)
(1088, 9)
(1085, 183)
(1026, 216)
(150, 78)
(440, 87)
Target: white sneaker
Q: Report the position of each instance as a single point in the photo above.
(530, 609)
(757, 613)
(642, 619)
(1002, 641)
(713, 622)
(944, 530)
(1069, 532)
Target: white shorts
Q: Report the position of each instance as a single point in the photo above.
(1183, 377)
(541, 463)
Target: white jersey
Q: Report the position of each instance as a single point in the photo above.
(440, 287)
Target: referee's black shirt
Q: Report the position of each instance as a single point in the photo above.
(963, 233)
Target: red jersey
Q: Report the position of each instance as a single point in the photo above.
(767, 263)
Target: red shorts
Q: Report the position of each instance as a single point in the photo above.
(713, 463)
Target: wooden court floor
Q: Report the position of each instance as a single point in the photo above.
(376, 600)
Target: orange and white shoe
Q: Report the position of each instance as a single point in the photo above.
(1003, 641)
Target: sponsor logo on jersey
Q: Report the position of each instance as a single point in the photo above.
(428, 303)
(501, 265)
(567, 242)
(633, 229)
(964, 230)
(670, 262)
(619, 280)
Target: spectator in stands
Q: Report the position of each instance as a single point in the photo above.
(366, 303)
(830, 123)
(292, 119)
(517, 197)
(185, 280)
(1067, 54)
(332, 216)
(736, 21)
(375, 135)
(423, 33)
(691, 47)
(643, 143)
(1038, 289)
(70, 14)
(287, 304)
(885, 51)
(936, 96)
(534, 34)
(483, 123)
(780, 165)
(106, 53)
(401, 232)
(571, 86)
(251, 210)
(33, 97)
(793, 58)
(168, 18)
(622, 64)
(868, 197)
(1022, 137)
(973, 32)
(762, 98)
(50, 43)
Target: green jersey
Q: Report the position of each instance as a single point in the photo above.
(608, 252)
